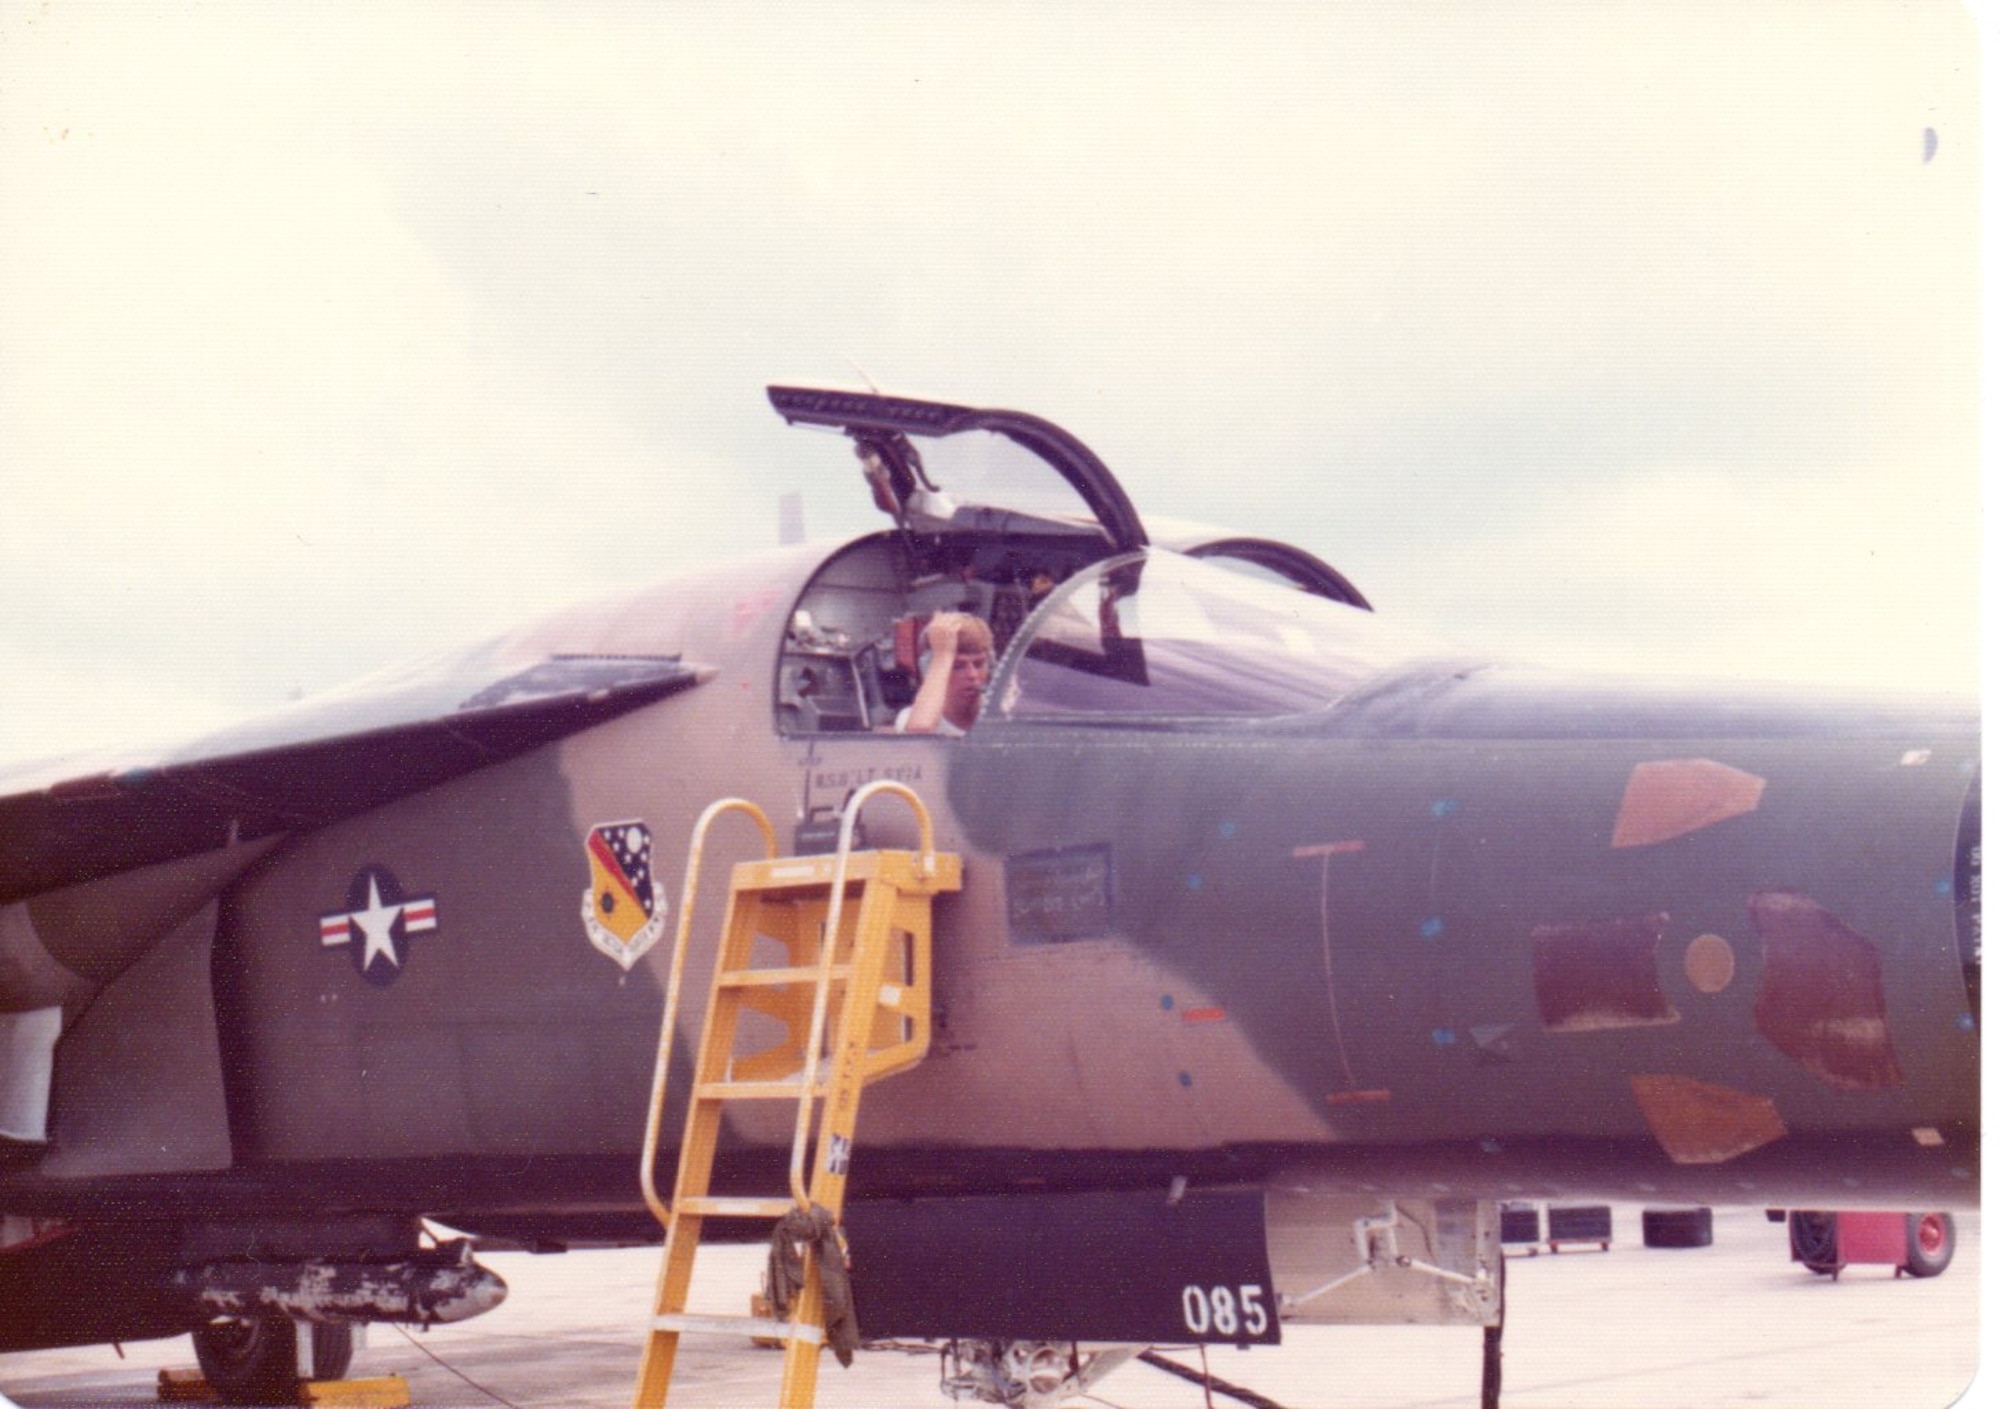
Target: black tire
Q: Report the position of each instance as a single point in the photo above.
(255, 1360)
(1816, 1240)
(1678, 1227)
(1932, 1239)
(333, 1349)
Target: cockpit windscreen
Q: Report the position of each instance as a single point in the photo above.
(1165, 636)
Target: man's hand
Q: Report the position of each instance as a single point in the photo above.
(941, 635)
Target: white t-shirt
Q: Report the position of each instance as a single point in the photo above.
(944, 726)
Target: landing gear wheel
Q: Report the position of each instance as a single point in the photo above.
(1932, 1240)
(333, 1349)
(1816, 1241)
(255, 1360)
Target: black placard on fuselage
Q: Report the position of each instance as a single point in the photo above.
(1057, 896)
(1136, 1268)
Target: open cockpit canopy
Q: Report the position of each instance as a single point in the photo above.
(994, 512)
(977, 471)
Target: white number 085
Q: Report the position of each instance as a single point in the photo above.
(1225, 1312)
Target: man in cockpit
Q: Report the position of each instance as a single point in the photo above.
(961, 661)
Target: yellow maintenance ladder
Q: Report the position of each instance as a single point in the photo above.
(855, 930)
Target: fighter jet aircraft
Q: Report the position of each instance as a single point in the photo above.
(1280, 925)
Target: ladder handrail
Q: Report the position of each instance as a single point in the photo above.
(690, 884)
(808, 1076)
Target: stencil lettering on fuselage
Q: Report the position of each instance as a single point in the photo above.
(1057, 896)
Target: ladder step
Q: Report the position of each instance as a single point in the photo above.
(777, 978)
(787, 1090)
(722, 1206)
(757, 1326)
(801, 873)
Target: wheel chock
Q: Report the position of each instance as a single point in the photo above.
(184, 1384)
(376, 1392)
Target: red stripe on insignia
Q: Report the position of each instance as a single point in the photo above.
(601, 849)
(421, 914)
(333, 929)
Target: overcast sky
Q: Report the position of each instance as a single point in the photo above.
(1637, 337)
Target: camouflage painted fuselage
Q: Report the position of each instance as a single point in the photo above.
(1485, 927)
(1468, 931)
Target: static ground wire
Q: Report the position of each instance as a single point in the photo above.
(1206, 1380)
(445, 1365)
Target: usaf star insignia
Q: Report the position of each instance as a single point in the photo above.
(625, 909)
(377, 925)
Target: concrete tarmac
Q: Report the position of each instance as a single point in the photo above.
(1733, 1326)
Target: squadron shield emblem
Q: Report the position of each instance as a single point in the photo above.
(625, 909)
